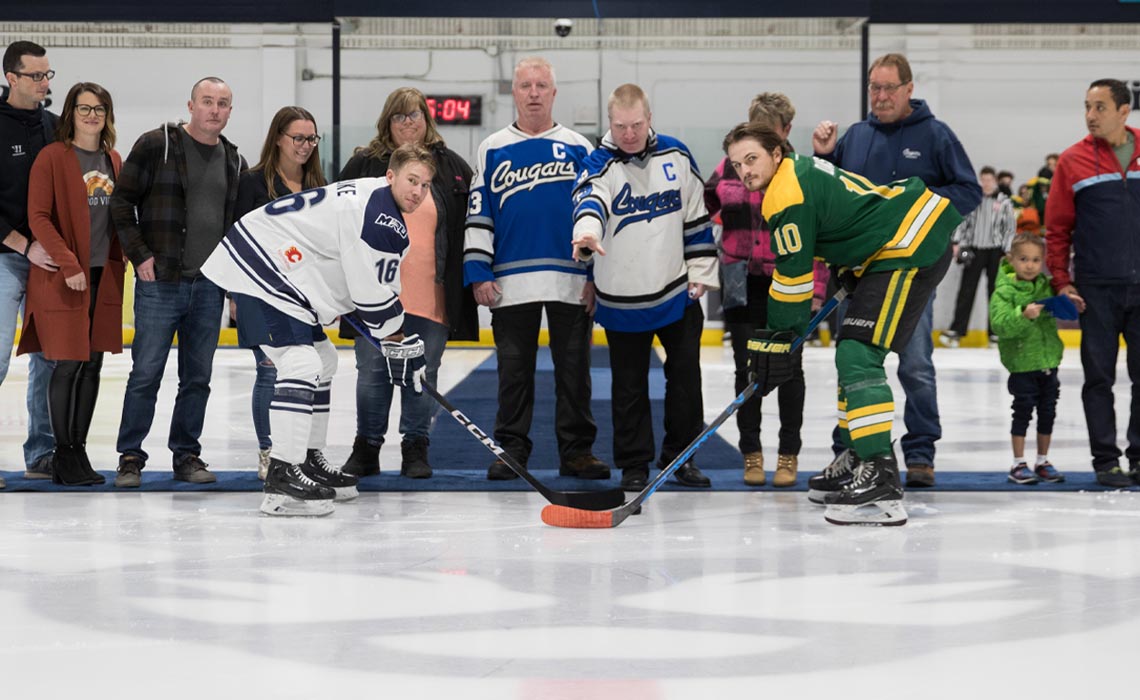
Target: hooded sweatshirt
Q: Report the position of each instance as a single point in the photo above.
(916, 146)
(23, 132)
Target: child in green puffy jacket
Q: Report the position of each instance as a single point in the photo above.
(1031, 350)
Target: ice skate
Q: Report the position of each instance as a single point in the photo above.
(833, 477)
(873, 497)
(289, 492)
(317, 468)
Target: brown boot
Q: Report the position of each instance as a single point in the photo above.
(786, 467)
(754, 469)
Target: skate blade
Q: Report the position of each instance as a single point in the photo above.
(879, 513)
(345, 493)
(817, 497)
(282, 505)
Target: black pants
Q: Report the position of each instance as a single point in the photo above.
(986, 260)
(1111, 310)
(1034, 390)
(743, 322)
(74, 387)
(684, 408)
(516, 345)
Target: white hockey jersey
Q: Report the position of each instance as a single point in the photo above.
(649, 213)
(320, 253)
(519, 216)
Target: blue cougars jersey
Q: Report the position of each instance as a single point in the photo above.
(519, 221)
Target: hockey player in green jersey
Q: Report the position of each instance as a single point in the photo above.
(891, 244)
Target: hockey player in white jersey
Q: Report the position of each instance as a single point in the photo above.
(517, 260)
(294, 266)
(640, 206)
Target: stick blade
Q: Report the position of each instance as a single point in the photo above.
(561, 516)
(588, 500)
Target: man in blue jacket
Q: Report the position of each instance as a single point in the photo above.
(901, 139)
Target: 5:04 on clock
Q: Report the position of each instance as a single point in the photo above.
(456, 110)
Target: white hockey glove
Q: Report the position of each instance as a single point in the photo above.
(406, 363)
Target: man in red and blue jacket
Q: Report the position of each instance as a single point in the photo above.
(1093, 214)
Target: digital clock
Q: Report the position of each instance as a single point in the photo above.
(456, 110)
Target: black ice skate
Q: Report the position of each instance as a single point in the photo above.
(873, 497)
(289, 492)
(833, 477)
(317, 468)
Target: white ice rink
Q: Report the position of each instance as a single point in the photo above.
(468, 595)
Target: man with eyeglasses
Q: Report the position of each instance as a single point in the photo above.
(901, 139)
(173, 202)
(25, 128)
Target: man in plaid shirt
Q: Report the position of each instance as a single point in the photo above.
(172, 204)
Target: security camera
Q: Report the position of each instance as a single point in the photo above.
(563, 27)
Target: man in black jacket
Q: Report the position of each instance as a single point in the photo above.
(25, 128)
(172, 204)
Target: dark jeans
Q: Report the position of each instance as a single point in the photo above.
(191, 308)
(684, 408)
(516, 344)
(742, 323)
(374, 388)
(985, 260)
(1111, 310)
(262, 397)
(1034, 390)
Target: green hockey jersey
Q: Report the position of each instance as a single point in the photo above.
(818, 211)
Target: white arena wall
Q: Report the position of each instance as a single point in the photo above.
(1012, 92)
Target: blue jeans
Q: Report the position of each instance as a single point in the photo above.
(13, 285)
(262, 397)
(193, 309)
(916, 374)
(374, 390)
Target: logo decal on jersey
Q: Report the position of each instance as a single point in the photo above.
(389, 221)
(290, 255)
(910, 154)
(18, 150)
(506, 182)
(667, 168)
(643, 208)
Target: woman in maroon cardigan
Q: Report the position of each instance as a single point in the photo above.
(75, 313)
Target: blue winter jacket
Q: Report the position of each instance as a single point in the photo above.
(917, 146)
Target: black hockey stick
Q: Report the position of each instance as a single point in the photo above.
(584, 500)
(562, 516)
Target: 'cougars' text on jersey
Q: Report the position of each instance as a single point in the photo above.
(519, 216)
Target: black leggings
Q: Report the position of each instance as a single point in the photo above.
(74, 387)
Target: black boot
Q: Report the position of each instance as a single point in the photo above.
(85, 462)
(414, 464)
(364, 460)
(86, 393)
(66, 469)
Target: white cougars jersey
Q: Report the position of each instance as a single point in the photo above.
(320, 253)
(648, 212)
(519, 216)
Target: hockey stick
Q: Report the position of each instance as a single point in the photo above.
(562, 516)
(584, 500)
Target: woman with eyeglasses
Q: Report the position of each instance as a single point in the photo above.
(290, 162)
(75, 314)
(436, 304)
